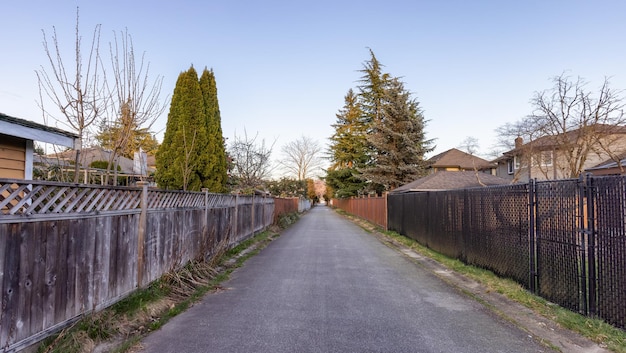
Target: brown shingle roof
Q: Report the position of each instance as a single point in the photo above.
(454, 158)
(451, 180)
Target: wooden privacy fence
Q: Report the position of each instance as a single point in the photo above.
(289, 205)
(284, 206)
(69, 249)
(372, 209)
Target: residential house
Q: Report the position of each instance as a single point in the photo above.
(562, 156)
(454, 160)
(615, 166)
(129, 169)
(17, 138)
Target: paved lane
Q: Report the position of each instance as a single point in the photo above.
(325, 285)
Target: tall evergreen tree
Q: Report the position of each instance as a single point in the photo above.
(215, 173)
(379, 141)
(347, 150)
(397, 140)
(181, 162)
(374, 83)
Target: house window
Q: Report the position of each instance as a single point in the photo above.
(517, 162)
(509, 166)
(543, 159)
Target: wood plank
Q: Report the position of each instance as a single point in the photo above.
(71, 299)
(51, 263)
(39, 243)
(13, 152)
(10, 285)
(86, 270)
(4, 235)
(113, 249)
(162, 244)
(11, 174)
(125, 265)
(62, 270)
(25, 282)
(101, 260)
(13, 164)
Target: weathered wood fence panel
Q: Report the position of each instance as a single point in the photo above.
(67, 249)
(373, 209)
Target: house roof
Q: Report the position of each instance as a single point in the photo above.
(90, 154)
(454, 158)
(30, 130)
(552, 141)
(610, 163)
(445, 180)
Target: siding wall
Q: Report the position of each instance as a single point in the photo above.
(12, 157)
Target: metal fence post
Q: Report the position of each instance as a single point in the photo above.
(532, 235)
(591, 245)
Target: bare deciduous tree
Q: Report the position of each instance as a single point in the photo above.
(78, 92)
(250, 160)
(469, 145)
(579, 122)
(135, 103)
(569, 122)
(301, 157)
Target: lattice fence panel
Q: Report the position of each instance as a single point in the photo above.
(18, 197)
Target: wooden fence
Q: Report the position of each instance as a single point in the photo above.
(70, 249)
(372, 209)
(289, 205)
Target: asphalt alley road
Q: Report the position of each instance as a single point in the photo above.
(325, 285)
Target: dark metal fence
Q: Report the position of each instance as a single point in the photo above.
(564, 240)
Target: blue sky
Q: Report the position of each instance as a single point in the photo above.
(284, 67)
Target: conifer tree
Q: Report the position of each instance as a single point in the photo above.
(397, 140)
(379, 141)
(348, 149)
(180, 159)
(215, 173)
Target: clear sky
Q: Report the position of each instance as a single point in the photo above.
(284, 67)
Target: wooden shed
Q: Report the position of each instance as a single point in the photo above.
(17, 138)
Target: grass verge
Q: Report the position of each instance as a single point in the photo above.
(607, 336)
(121, 327)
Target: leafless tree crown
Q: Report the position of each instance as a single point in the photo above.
(302, 157)
(250, 160)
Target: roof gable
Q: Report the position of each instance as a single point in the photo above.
(457, 158)
(30, 130)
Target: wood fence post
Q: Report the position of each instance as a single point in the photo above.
(253, 223)
(141, 234)
(236, 216)
(386, 220)
(205, 223)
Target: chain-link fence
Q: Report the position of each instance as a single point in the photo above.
(564, 240)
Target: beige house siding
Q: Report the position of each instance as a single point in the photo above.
(12, 157)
